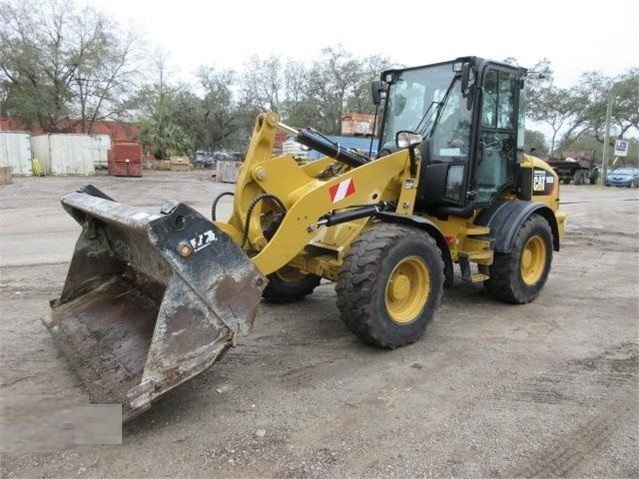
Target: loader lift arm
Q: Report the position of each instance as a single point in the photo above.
(310, 198)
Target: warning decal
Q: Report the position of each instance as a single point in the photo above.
(342, 190)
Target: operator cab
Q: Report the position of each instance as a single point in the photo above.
(469, 115)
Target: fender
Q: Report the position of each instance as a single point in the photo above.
(432, 229)
(505, 217)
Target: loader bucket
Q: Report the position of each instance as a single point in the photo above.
(150, 300)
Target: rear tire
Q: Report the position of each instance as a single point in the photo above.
(390, 285)
(288, 285)
(519, 276)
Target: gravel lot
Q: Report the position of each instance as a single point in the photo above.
(547, 389)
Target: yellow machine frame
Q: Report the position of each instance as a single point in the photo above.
(301, 242)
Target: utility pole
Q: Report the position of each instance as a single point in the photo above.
(604, 166)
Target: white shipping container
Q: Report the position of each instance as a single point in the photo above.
(101, 147)
(67, 154)
(71, 154)
(15, 151)
(40, 151)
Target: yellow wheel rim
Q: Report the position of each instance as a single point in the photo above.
(407, 290)
(533, 260)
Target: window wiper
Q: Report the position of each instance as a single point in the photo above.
(425, 119)
(430, 120)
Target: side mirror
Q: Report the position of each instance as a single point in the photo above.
(376, 92)
(406, 139)
(465, 79)
(467, 85)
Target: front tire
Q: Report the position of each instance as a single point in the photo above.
(519, 276)
(390, 285)
(288, 285)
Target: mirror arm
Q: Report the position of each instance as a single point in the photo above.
(413, 161)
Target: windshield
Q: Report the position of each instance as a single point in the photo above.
(428, 101)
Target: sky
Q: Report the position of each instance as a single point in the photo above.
(577, 36)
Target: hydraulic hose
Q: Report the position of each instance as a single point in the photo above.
(249, 212)
(216, 201)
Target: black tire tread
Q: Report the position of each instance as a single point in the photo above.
(281, 292)
(503, 283)
(357, 276)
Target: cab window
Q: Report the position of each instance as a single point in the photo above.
(497, 151)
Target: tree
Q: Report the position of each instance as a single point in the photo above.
(4, 96)
(225, 124)
(335, 84)
(549, 104)
(330, 81)
(360, 101)
(164, 139)
(625, 96)
(158, 132)
(297, 108)
(35, 61)
(556, 108)
(535, 142)
(110, 74)
(57, 62)
(539, 76)
(263, 83)
(595, 90)
(185, 110)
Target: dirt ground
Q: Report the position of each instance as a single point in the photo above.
(548, 389)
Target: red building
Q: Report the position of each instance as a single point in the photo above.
(11, 123)
(117, 130)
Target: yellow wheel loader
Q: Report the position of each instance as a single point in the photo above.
(153, 299)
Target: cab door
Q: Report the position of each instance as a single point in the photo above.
(496, 148)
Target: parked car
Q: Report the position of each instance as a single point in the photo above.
(220, 156)
(623, 177)
(203, 160)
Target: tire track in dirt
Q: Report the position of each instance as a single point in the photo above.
(352, 423)
(562, 456)
(614, 374)
(603, 240)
